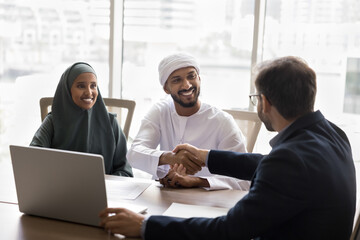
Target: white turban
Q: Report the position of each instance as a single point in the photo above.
(174, 62)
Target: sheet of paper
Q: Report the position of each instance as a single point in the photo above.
(125, 189)
(133, 207)
(187, 211)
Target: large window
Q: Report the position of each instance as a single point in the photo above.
(352, 86)
(326, 34)
(217, 33)
(40, 38)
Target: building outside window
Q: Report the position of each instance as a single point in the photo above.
(40, 38)
(217, 33)
(326, 34)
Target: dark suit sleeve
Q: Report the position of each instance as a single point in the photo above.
(233, 164)
(270, 201)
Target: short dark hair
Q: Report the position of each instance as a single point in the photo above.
(289, 84)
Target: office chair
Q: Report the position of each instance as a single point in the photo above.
(355, 235)
(249, 124)
(114, 105)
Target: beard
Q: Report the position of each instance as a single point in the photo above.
(265, 120)
(189, 104)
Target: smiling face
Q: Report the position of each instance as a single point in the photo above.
(84, 90)
(184, 87)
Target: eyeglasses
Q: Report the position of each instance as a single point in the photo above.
(254, 98)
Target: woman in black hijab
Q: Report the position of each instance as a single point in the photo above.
(79, 121)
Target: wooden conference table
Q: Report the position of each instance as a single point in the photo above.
(19, 226)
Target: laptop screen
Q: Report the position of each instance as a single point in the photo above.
(59, 184)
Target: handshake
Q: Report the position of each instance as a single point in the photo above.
(184, 160)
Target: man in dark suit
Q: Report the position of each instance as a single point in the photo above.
(305, 188)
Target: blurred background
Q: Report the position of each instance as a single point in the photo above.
(124, 40)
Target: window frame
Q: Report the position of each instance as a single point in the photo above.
(116, 45)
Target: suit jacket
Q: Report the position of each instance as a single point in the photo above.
(305, 188)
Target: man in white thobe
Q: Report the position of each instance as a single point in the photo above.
(184, 119)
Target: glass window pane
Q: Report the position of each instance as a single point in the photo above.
(217, 33)
(38, 41)
(326, 34)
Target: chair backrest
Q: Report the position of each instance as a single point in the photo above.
(249, 124)
(356, 228)
(114, 105)
(356, 231)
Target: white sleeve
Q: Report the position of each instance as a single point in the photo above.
(143, 154)
(218, 182)
(232, 138)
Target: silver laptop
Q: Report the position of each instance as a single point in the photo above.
(60, 184)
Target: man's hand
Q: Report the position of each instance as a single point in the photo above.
(177, 178)
(121, 221)
(200, 154)
(191, 163)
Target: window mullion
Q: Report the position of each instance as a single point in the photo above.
(116, 48)
(258, 34)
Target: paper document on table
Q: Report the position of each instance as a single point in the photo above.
(125, 189)
(188, 211)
